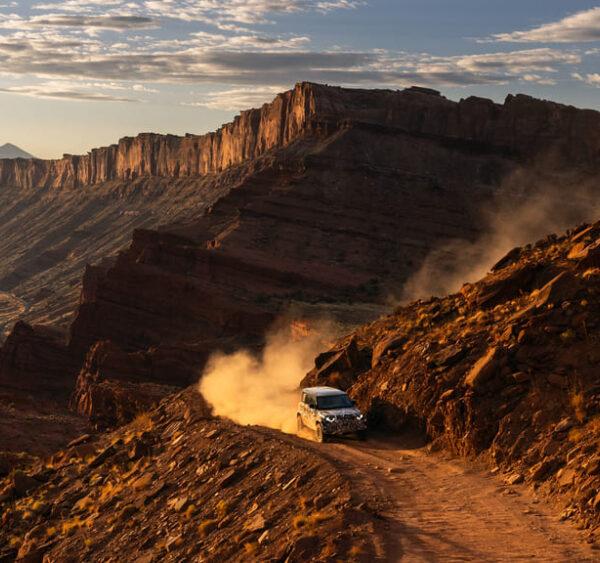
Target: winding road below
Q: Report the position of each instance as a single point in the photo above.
(435, 509)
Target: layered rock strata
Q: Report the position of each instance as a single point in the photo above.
(320, 204)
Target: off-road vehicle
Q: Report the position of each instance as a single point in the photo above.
(329, 412)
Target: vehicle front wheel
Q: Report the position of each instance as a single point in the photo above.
(320, 435)
(299, 423)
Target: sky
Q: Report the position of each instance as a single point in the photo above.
(79, 74)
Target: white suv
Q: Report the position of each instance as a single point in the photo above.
(329, 411)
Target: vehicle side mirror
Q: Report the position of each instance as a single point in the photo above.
(311, 407)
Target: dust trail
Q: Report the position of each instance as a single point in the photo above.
(263, 389)
(522, 213)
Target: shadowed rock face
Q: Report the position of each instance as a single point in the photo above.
(319, 204)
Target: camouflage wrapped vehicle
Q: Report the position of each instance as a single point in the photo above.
(329, 412)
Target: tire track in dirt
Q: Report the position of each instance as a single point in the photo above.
(432, 509)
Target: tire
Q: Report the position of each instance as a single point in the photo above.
(299, 423)
(319, 433)
(362, 435)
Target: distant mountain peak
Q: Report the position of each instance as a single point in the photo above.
(9, 150)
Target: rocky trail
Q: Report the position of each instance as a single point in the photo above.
(438, 509)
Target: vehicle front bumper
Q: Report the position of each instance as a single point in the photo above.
(343, 425)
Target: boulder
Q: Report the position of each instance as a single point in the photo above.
(484, 369)
(386, 344)
(564, 286)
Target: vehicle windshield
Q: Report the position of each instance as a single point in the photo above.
(340, 401)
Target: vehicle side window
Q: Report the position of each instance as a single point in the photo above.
(311, 400)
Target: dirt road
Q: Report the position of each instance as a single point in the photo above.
(438, 510)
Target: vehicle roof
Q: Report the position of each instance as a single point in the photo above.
(320, 391)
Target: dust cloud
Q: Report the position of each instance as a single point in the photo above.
(263, 389)
(522, 213)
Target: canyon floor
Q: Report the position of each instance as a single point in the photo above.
(432, 507)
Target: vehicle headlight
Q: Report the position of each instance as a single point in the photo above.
(330, 418)
(360, 416)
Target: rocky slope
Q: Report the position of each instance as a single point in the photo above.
(320, 204)
(178, 485)
(506, 370)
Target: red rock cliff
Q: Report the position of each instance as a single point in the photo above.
(523, 126)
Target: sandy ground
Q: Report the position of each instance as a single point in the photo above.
(436, 509)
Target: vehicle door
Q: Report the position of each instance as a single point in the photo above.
(311, 411)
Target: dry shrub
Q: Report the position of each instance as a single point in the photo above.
(109, 491)
(355, 551)
(250, 548)
(299, 521)
(576, 434)
(594, 425)
(304, 502)
(222, 509)
(577, 402)
(189, 513)
(207, 527)
(143, 421)
(319, 517)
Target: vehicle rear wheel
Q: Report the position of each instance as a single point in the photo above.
(320, 435)
(299, 423)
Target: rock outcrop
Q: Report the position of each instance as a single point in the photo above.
(515, 384)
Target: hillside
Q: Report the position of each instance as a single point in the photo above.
(505, 370)
(178, 484)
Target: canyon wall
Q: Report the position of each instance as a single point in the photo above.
(320, 204)
(522, 126)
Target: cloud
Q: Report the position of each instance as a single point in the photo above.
(203, 59)
(515, 62)
(100, 22)
(238, 98)
(591, 79)
(580, 27)
(69, 43)
(66, 93)
(247, 12)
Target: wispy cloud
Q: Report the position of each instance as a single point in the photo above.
(116, 23)
(591, 79)
(235, 99)
(579, 27)
(72, 94)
